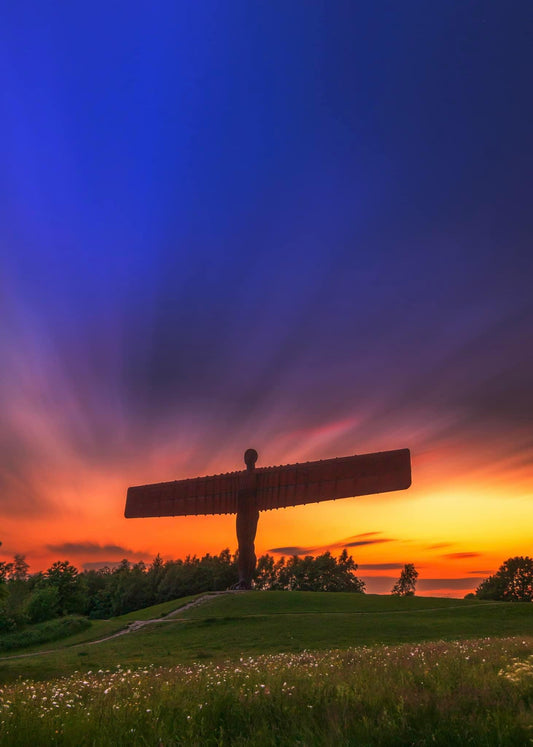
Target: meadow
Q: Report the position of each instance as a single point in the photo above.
(284, 668)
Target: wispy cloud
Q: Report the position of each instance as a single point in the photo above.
(380, 566)
(291, 550)
(358, 543)
(358, 540)
(461, 555)
(93, 548)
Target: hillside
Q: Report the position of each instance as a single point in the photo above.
(252, 623)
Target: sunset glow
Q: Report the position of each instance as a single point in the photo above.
(302, 229)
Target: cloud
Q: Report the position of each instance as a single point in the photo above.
(358, 543)
(93, 548)
(380, 566)
(21, 481)
(440, 545)
(461, 555)
(354, 541)
(291, 550)
(479, 573)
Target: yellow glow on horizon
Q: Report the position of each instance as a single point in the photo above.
(450, 527)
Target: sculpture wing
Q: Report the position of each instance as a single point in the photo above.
(344, 477)
(275, 487)
(216, 494)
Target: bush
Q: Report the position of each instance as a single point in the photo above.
(52, 630)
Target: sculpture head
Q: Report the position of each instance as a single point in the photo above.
(250, 458)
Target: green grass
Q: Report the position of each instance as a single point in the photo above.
(283, 602)
(91, 630)
(444, 694)
(269, 669)
(255, 623)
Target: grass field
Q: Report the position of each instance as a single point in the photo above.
(269, 668)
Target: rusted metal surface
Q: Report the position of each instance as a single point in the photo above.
(274, 487)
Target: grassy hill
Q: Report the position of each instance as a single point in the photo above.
(252, 623)
(278, 669)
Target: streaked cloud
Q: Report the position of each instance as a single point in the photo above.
(246, 270)
(462, 555)
(359, 543)
(357, 540)
(93, 548)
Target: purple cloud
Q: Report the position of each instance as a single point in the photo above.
(461, 555)
(93, 548)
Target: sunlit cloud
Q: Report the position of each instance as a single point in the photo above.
(92, 548)
(461, 555)
(333, 546)
(223, 283)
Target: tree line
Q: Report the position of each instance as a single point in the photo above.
(108, 592)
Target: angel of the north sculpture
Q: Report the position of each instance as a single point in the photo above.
(249, 491)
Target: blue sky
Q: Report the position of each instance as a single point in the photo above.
(244, 224)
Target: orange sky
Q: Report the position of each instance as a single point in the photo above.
(461, 518)
(292, 227)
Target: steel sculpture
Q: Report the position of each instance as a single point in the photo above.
(249, 491)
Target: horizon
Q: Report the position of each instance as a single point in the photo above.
(380, 585)
(302, 229)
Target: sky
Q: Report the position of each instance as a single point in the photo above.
(300, 227)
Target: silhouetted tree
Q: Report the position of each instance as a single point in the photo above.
(513, 582)
(43, 604)
(323, 573)
(156, 572)
(265, 576)
(130, 588)
(405, 585)
(64, 577)
(18, 569)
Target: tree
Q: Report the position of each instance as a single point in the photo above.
(512, 582)
(405, 585)
(18, 569)
(18, 589)
(265, 576)
(64, 577)
(323, 573)
(43, 604)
